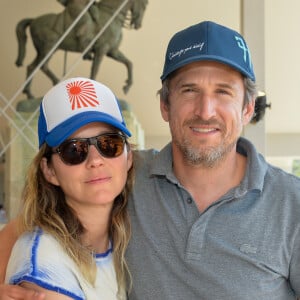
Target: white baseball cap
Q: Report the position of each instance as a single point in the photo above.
(73, 103)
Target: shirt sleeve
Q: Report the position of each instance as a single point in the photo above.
(295, 266)
(38, 258)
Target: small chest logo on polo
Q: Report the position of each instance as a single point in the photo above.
(82, 94)
(246, 53)
(248, 249)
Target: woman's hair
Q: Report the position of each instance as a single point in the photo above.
(250, 89)
(44, 205)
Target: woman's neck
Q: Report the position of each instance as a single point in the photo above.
(96, 223)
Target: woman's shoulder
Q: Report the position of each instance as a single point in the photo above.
(38, 258)
(38, 243)
(38, 250)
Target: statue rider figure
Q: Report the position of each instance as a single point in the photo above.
(82, 29)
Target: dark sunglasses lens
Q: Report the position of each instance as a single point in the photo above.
(110, 145)
(74, 152)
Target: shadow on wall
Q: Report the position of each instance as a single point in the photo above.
(2, 165)
(3, 217)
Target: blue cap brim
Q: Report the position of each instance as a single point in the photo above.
(67, 128)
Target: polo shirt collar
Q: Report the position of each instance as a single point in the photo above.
(256, 169)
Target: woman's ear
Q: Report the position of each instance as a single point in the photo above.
(48, 171)
(129, 159)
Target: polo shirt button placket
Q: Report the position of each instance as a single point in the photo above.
(189, 200)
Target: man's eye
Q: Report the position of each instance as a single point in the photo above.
(225, 92)
(188, 90)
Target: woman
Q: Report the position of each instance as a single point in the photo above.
(74, 220)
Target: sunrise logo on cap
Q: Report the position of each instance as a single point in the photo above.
(82, 94)
(74, 103)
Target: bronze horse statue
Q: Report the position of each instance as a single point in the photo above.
(47, 29)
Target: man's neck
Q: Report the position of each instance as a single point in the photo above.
(207, 185)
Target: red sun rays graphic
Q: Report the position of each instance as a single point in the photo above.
(82, 94)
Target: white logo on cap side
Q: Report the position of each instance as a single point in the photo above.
(185, 50)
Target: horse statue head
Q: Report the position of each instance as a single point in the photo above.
(137, 11)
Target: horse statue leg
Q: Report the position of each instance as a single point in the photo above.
(22, 39)
(44, 68)
(49, 73)
(30, 69)
(42, 49)
(97, 58)
(117, 55)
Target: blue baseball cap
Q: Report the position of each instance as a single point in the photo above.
(74, 103)
(208, 41)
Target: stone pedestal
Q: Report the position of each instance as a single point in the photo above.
(18, 157)
(138, 136)
(134, 126)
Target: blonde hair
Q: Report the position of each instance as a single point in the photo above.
(44, 206)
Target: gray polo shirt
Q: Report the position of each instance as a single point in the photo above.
(244, 246)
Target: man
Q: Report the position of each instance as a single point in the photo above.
(210, 218)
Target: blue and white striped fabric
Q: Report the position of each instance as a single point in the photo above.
(38, 258)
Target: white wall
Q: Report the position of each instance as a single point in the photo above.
(283, 65)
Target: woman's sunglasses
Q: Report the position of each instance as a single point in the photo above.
(75, 151)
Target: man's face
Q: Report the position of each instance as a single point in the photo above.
(206, 112)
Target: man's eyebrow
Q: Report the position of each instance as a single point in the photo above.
(194, 85)
(225, 85)
(185, 84)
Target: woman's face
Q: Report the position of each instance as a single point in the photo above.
(95, 182)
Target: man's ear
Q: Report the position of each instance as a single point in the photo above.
(164, 110)
(248, 112)
(48, 171)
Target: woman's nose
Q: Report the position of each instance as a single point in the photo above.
(94, 158)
